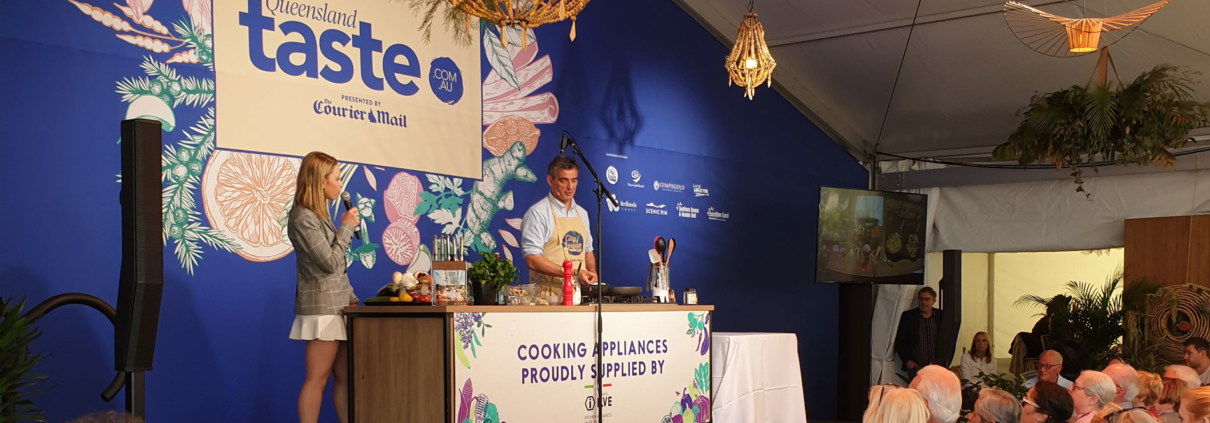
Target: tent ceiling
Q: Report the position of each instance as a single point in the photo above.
(965, 76)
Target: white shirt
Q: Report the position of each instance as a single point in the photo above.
(1034, 381)
(1205, 377)
(971, 368)
(538, 223)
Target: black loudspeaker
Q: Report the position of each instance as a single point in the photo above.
(141, 282)
(856, 316)
(951, 302)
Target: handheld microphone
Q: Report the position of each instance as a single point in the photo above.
(344, 197)
(562, 143)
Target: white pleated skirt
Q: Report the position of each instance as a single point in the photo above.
(318, 327)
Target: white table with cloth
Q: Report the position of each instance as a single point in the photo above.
(756, 378)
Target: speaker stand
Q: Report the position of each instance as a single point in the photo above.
(136, 398)
(133, 381)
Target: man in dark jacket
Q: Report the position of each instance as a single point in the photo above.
(916, 339)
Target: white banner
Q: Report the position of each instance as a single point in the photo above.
(352, 78)
(531, 367)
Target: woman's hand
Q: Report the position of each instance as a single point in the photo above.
(350, 218)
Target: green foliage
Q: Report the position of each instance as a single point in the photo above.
(492, 271)
(1134, 124)
(1087, 325)
(457, 23)
(1136, 350)
(17, 383)
(1004, 382)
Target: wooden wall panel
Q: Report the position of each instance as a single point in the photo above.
(1168, 250)
(1199, 250)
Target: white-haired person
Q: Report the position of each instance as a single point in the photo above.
(995, 406)
(1091, 391)
(1050, 363)
(896, 405)
(1126, 384)
(942, 392)
(1185, 373)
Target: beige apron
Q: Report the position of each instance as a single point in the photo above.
(566, 242)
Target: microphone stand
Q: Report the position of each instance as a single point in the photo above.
(601, 192)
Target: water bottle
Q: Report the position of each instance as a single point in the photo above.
(568, 289)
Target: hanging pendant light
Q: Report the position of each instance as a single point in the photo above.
(750, 63)
(1060, 36)
(522, 14)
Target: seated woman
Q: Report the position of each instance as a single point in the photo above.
(1046, 402)
(891, 404)
(978, 359)
(1150, 389)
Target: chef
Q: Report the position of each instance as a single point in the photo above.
(556, 229)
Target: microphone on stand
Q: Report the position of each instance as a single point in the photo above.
(562, 143)
(344, 196)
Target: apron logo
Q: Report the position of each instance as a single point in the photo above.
(573, 243)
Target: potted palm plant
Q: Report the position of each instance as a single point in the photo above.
(1087, 325)
(17, 383)
(489, 275)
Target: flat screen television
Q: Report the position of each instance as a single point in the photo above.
(870, 237)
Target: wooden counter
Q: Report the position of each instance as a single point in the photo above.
(403, 360)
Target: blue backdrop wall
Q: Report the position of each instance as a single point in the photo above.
(642, 89)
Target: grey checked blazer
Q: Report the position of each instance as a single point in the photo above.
(323, 284)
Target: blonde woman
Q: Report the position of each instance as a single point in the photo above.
(877, 393)
(1195, 406)
(902, 405)
(1150, 389)
(323, 288)
(1116, 414)
(978, 359)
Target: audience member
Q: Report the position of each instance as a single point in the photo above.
(1091, 391)
(995, 406)
(978, 359)
(1126, 384)
(902, 405)
(1185, 373)
(1195, 406)
(1170, 400)
(1049, 366)
(1046, 402)
(1195, 358)
(1150, 388)
(942, 392)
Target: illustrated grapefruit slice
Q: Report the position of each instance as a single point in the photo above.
(400, 241)
(244, 194)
